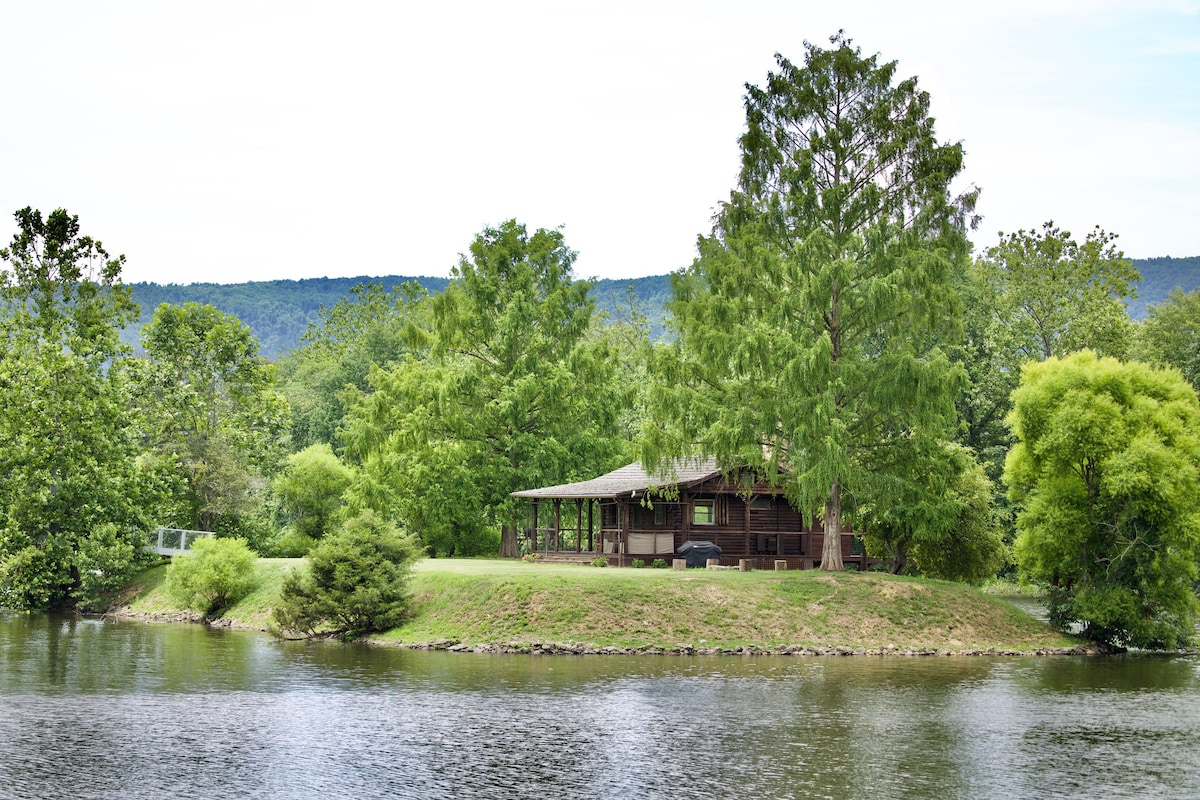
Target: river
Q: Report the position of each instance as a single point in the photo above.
(92, 709)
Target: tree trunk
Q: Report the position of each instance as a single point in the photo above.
(508, 541)
(831, 550)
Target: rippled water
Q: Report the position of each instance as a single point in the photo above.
(106, 710)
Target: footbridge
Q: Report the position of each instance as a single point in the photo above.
(174, 541)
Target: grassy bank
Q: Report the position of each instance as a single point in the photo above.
(491, 602)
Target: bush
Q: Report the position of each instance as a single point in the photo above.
(356, 582)
(659, 563)
(637, 563)
(599, 561)
(291, 543)
(217, 574)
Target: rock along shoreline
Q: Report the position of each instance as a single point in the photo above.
(538, 648)
(547, 648)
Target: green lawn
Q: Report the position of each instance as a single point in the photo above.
(491, 601)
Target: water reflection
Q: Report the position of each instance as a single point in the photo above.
(125, 710)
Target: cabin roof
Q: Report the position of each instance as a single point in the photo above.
(630, 480)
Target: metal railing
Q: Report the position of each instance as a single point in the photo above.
(174, 541)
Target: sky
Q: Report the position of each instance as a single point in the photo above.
(237, 140)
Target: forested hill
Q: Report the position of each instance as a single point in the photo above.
(278, 312)
(1159, 277)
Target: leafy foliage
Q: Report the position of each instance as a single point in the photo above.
(108, 560)
(69, 466)
(1170, 334)
(807, 325)
(1050, 296)
(368, 328)
(1032, 296)
(1106, 472)
(210, 411)
(217, 574)
(935, 516)
(514, 393)
(310, 490)
(355, 583)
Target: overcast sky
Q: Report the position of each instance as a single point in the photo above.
(233, 141)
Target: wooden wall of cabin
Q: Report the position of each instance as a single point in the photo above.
(763, 526)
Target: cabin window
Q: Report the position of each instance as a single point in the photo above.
(761, 503)
(660, 515)
(702, 512)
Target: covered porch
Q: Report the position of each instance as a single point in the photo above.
(626, 515)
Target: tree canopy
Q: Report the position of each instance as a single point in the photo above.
(514, 393)
(807, 326)
(1170, 334)
(73, 494)
(369, 327)
(210, 410)
(934, 516)
(1106, 474)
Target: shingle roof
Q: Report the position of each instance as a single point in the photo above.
(629, 479)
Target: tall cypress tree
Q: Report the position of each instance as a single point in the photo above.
(807, 326)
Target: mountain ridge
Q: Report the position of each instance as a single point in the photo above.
(279, 312)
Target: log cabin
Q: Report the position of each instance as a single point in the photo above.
(630, 514)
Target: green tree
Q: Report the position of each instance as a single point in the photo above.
(1170, 334)
(209, 407)
(69, 472)
(515, 394)
(1106, 473)
(356, 582)
(1032, 296)
(1050, 296)
(805, 325)
(369, 327)
(310, 489)
(934, 516)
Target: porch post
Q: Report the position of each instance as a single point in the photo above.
(746, 525)
(533, 528)
(578, 525)
(591, 542)
(686, 509)
(557, 520)
(622, 534)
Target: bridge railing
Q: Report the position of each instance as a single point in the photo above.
(174, 541)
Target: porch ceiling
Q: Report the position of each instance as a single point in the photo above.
(629, 480)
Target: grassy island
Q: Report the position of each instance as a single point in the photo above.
(466, 603)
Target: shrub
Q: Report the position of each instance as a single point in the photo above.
(659, 563)
(637, 563)
(217, 574)
(291, 543)
(599, 561)
(356, 581)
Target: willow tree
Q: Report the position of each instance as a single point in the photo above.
(806, 327)
(1106, 474)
